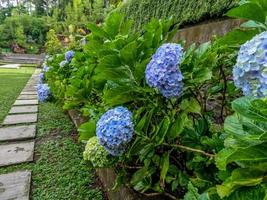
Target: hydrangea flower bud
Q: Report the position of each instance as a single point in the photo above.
(115, 130)
(95, 153)
(163, 72)
(250, 71)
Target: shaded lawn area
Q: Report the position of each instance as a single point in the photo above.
(58, 170)
(12, 81)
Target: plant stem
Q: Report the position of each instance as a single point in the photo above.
(190, 149)
(158, 194)
(223, 92)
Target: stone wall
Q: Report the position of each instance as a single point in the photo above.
(204, 32)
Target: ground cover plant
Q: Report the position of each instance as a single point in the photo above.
(181, 123)
(12, 82)
(58, 171)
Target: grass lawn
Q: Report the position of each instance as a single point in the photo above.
(12, 81)
(58, 171)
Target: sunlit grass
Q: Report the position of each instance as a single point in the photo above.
(12, 81)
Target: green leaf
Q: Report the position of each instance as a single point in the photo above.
(98, 31)
(242, 156)
(201, 75)
(237, 37)
(128, 53)
(164, 168)
(190, 106)
(250, 11)
(193, 194)
(248, 193)
(240, 177)
(163, 130)
(87, 130)
(117, 94)
(113, 24)
(178, 126)
(251, 108)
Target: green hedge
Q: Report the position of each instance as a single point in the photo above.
(183, 11)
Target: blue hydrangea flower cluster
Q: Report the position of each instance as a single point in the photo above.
(63, 63)
(115, 130)
(43, 92)
(41, 77)
(46, 68)
(250, 71)
(69, 55)
(163, 70)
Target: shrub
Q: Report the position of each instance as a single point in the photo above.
(183, 11)
(179, 147)
(52, 45)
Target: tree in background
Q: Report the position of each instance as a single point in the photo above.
(52, 45)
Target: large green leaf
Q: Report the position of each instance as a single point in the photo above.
(98, 31)
(248, 193)
(193, 194)
(113, 24)
(250, 11)
(244, 156)
(239, 178)
(251, 108)
(87, 130)
(177, 126)
(119, 93)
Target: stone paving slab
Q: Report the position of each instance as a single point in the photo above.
(11, 66)
(30, 93)
(16, 153)
(30, 90)
(17, 132)
(20, 118)
(23, 109)
(27, 97)
(15, 186)
(25, 102)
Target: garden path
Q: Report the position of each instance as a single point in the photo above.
(17, 135)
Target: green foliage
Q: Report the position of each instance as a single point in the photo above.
(180, 148)
(244, 145)
(52, 45)
(24, 30)
(183, 11)
(252, 10)
(110, 71)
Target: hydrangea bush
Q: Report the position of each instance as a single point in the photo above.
(43, 92)
(115, 130)
(69, 55)
(163, 70)
(95, 153)
(250, 71)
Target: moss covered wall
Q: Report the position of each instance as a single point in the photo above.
(183, 11)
